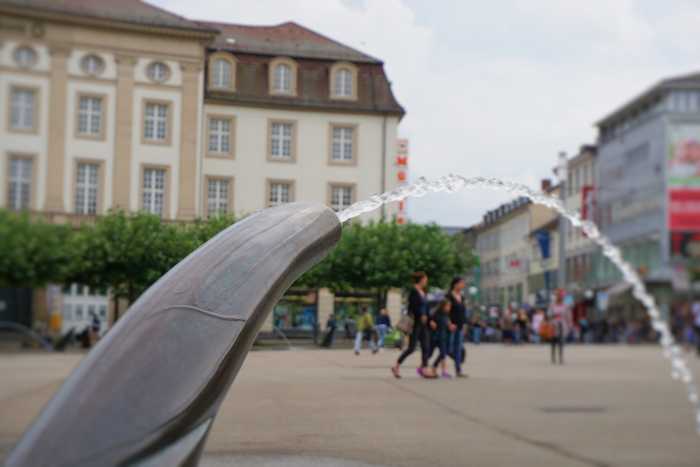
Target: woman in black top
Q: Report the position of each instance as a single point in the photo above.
(458, 316)
(418, 309)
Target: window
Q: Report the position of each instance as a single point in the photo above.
(25, 56)
(220, 135)
(282, 79)
(154, 191)
(221, 73)
(20, 183)
(280, 193)
(282, 76)
(281, 141)
(90, 116)
(22, 109)
(155, 122)
(86, 185)
(341, 197)
(217, 196)
(342, 149)
(92, 64)
(343, 83)
(158, 72)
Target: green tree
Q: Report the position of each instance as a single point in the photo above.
(128, 253)
(32, 252)
(382, 255)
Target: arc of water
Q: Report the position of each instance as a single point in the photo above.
(452, 183)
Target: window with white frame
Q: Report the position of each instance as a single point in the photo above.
(342, 150)
(158, 72)
(217, 196)
(90, 116)
(156, 122)
(86, 186)
(153, 191)
(25, 56)
(20, 183)
(92, 64)
(341, 197)
(280, 193)
(282, 78)
(219, 135)
(22, 109)
(221, 73)
(281, 140)
(343, 83)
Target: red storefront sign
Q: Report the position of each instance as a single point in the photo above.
(684, 209)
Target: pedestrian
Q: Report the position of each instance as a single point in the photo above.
(442, 327)
(458, 318)
(537, 320)
(522, 325)
(507, 326)
(365, 331)
(383, 326)
(560, 318)
(420, 335)
(696, 324)
(331, 326)
(477, 327)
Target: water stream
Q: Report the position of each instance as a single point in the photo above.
(453, 183)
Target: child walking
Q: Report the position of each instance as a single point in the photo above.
(442, 327)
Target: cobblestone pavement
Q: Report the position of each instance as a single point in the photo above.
(608, 406)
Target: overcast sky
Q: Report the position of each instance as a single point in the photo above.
(494, 88)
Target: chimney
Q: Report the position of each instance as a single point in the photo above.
(546, 184)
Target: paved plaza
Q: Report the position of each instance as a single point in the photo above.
(608, 406)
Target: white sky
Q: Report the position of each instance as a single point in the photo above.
(494, 88)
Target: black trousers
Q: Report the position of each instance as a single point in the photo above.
(420, 335)
(697, 338)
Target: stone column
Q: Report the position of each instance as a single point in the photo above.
(186, 206)
(326, 305)
(121, 180)
(393, 305)
(55, 164)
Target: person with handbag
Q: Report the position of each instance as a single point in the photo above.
(420, 333)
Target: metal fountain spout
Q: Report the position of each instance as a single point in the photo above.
(148, 393)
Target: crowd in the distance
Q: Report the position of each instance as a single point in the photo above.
(440, 331)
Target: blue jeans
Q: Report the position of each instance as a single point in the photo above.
(382, 329)
(456, 343)
(476, 335)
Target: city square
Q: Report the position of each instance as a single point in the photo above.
(607, 406)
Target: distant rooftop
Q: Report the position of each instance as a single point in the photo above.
(285, 39)
(688, 81)
(134, 12)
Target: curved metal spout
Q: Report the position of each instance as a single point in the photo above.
(149, 391)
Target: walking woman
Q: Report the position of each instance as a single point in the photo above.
(560, 318)
(418, 310)
(458, 317)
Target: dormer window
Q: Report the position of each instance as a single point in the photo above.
(343, 81)
(222, 72)
(283, 77)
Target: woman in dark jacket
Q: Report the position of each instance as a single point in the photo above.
(458, 316)
(418, 309)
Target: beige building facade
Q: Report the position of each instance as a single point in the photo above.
(131, 107)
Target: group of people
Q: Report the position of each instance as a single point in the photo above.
(442, 330)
